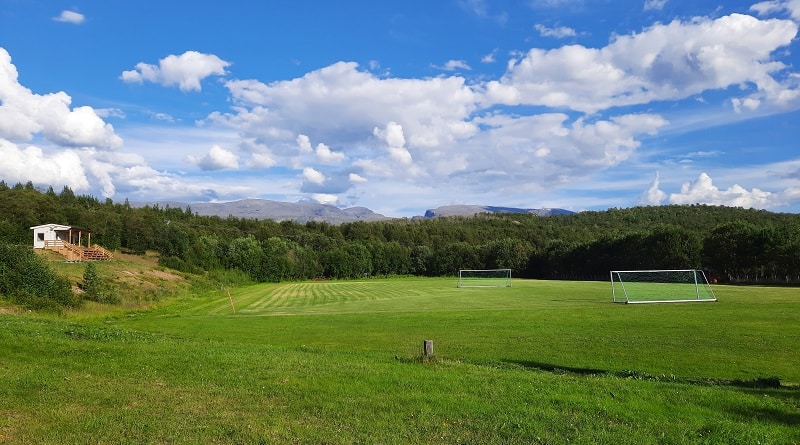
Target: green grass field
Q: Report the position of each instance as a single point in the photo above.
(341, 362)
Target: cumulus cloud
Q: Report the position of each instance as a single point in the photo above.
(396, 141)
(73, 17)
(24, 114)
(433, 111)
(427, 132)
(325, 198)
(558, 33)
(664, 62)
(304, 143)
(326, 156)
(30, 163)
(748, 103)
(542, 151)
(313, 176)
(217, 158)
(653, 196)
(355, 177)
(703, 191)
(261, 160)
(186, 70)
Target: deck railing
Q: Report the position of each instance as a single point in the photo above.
(73, 252)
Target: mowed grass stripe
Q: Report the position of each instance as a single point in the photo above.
(307, 297)
(384, 295)
(391, 295)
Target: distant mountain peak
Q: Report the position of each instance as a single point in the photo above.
(303, 212)
(277, 211)
(470, 210)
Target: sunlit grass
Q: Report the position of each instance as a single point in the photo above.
(340, 362)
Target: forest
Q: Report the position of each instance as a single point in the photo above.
(733, 245)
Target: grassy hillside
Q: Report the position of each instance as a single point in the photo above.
(138, 279)
(340, 362)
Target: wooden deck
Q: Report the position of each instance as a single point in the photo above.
(74, 252)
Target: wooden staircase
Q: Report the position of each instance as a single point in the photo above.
(73, 252)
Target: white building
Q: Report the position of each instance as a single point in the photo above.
(50, 235)
(74, 243)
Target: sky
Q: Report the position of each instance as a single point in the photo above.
(405, 106)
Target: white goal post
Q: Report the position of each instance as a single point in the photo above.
(484, 278)
(660, 286)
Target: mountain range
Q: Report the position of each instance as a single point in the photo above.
(304, 212)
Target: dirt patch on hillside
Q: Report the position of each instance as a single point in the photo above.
(165, 275)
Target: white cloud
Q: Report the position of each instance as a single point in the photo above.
(400, 155)
(653, 196)
(325, 198)
(558, 33)
(453, 65)
(490, 58)
(396, 141)
(313, 176)
(538, 152)
(110, 112)
(326, 156)
(355, 177)
(664, 62)
(31, 163)
(163, 117)
(432, 111)
(748, 103)
(392, 134)
(217, 158)
(186, 71)
(304, 143)
(703, 191)
(650, 5)
(778, 6)
(70, 17)
(261, 160)
(24, 114)
(73, 149)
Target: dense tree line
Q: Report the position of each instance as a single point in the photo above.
(733, 244)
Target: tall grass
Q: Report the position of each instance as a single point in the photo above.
(340, 362)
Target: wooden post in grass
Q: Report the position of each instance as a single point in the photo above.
(427, 348)
(231, 300)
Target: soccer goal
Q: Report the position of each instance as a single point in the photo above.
(484, 278)
(660, 286)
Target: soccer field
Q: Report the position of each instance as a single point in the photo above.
(340, 362)
(751, 333)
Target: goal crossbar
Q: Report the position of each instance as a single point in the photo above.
(484, 278)
(660, 286)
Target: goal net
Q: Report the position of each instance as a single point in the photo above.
(660, 286)
(484, 278)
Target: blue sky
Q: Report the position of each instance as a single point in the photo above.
(405, 106)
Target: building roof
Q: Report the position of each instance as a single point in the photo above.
(52, 226)
(60, 227)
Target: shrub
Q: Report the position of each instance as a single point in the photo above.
(26, 279)
(98, 289)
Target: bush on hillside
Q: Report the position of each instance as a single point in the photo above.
(97, 289)
(26, 279)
